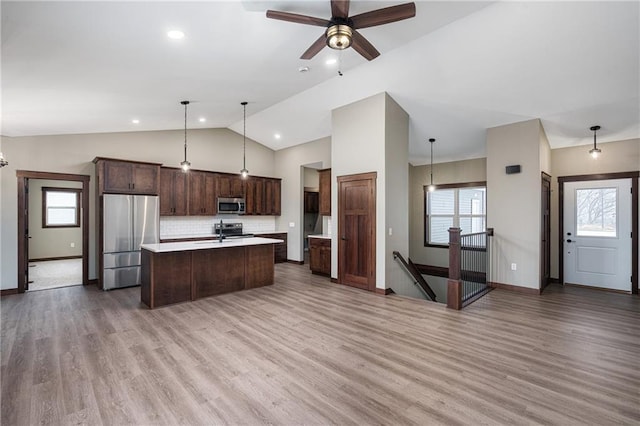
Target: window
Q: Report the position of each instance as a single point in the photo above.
(456, 205)
(60, 207)
(596, 212)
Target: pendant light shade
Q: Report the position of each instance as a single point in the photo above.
(186, 165)
(244, 172)
(431, 186)
(595, 151)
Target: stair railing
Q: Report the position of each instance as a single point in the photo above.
(469, 267)
(418, 279)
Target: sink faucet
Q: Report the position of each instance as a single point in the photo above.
(220, 235)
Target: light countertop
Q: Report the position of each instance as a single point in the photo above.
(208, 244)
(325, 236)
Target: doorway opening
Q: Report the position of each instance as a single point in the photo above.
(598, 231)
(53, 230)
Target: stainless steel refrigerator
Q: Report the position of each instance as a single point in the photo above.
(129, 221)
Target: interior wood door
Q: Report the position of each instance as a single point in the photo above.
(356, 229)
(25, 263)
(545, 231)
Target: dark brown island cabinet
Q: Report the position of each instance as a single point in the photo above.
(185, 273)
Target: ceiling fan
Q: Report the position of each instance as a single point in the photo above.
(341, 28)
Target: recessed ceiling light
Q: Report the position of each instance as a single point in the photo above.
(175, 34)
(202, 119)
(331, 61)
(277, 136)
(135, 121)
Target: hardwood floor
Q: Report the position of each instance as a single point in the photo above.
(305, 351)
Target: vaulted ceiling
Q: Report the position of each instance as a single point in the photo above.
(457, 68)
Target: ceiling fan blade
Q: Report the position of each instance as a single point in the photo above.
(384, 16)
(363, 47)
(299, 19)
(315, 48)
(340, 9)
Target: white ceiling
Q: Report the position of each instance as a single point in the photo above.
(457, 68)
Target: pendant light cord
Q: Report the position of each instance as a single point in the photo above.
(185, 129)
(244, 172)
(431, 169)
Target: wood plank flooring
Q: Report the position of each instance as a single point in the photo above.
(306, 351)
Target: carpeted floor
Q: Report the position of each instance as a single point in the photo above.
(55, 273)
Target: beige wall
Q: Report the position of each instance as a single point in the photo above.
(289, 165)
(311, 178)
(513, 202)
(371, 135)
(50, 242)
(397, 198)
(357, 146)
(443, 173)
(209, 149)
(621, 156)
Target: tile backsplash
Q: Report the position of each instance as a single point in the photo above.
(184, 226)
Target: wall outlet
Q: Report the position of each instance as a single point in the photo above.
(292, 224)
(72, 245)
(390, 231)
(514, 267)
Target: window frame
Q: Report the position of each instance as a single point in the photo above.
(425, 216)
(76, 191)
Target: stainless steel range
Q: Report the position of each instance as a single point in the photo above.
(230, 230)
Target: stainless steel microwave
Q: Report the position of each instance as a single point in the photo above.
(231, 205)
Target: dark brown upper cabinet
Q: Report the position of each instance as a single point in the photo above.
(173, 192)
(202, 194)
(230, 186)
(263, 196)
(311, 202)
(127, 177)
(324, 177)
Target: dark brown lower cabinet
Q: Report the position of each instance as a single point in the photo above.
(259, 266)
(218, 271)
(182, 276)
(280, 252)
(320, 256)
(170, 274)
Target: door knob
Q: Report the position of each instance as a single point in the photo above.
(344, 239)
(569, 241)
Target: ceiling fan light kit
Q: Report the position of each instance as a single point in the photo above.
(339, 37)
(341, 29)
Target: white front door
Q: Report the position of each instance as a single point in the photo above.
(597, 233)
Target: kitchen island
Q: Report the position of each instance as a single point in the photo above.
(185, 271)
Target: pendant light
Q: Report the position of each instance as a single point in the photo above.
(185, 164)
(431, 187)
(595, 151)
(244, 172)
